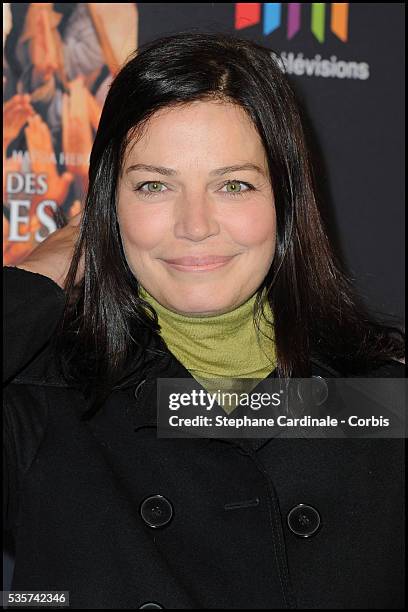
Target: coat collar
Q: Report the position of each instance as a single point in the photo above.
(141, 388)
(44, 371)
(145, 416)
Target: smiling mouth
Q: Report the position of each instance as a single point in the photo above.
(198, 264)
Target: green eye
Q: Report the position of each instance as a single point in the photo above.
(238, 192)
(236, 189)
(233, 185)
(150, 192)
(156, 185)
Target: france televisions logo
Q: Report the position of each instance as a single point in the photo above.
(249, 14)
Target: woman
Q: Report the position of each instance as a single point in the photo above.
(200, 220)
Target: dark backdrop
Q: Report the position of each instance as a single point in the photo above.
(354, 121)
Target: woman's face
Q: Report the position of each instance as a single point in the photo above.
(195, 210)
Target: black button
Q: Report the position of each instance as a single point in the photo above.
(320, 390)
(156, 511)
(151, 605)
(314, 390)
(139, 386)
(304, 520)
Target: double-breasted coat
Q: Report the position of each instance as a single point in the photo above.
(121, 518)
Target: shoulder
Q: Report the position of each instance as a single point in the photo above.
(390, 368)
(42, 371)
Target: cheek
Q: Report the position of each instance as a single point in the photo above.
(255, 226)
(143, 229)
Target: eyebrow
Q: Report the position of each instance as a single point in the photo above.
(217, 172)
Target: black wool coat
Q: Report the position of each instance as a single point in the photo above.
(121, 518)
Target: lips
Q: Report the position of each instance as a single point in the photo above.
(200, 261)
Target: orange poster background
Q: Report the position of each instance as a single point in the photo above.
(58, 63)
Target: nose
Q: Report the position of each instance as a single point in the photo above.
(195, 218)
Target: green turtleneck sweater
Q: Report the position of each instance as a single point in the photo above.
(226, 346)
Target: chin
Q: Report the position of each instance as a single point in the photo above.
(199, 307)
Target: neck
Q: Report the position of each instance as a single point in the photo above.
(220, 345)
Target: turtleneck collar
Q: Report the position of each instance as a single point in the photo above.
(221, 345)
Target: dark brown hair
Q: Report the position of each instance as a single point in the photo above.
(107, 329)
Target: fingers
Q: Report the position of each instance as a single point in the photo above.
(34, 129)
(77, 131)
(29, 135)
(66, 180)
(46, 139)
(18, 101)
(33, 134)
(75, 209)
(76, 219)
(40, 147)
(77, 82)
(94, 110)
(65, 122)
(78, 98)
(16, 112)
(40, 134)
(51, 54)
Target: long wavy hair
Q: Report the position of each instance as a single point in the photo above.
(107, 331)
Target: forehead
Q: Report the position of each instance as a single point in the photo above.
(199, 128)
(200, 110)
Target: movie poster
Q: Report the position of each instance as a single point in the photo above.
(58, 63)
